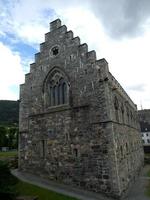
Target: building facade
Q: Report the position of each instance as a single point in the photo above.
(77, 124)
(144, 117)
(146, 137)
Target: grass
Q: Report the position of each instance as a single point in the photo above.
(148, 173)
(8, 154)
(147, 192)
(10, 187)
(24, 189)
(147, 154)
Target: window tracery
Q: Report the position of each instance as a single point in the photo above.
(57, 89)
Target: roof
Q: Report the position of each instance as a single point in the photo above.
(145, 126)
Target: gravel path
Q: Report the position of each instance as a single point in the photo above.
(135, 193)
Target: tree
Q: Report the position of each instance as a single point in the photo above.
(12, 135)
(9, 137)
(3, 137)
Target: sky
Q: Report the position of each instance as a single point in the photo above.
(118, 31)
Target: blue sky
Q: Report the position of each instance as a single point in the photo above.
(119, 31)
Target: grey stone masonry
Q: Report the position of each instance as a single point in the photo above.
(77, 124)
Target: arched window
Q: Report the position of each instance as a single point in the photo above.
(59, 94)
(57, 89)
(50, 99)
(116, 106)
(127, 115)
(127, 149)
(64, 93)
(122, 112)
(54, 100)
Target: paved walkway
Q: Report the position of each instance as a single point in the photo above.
(135, 193)
(59, 188)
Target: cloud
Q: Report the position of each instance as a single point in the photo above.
(28, 19)
(138, 87)
(123, 18)
(11, 73)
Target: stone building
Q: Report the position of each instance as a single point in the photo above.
(77, 124)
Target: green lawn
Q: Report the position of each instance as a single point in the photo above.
(147, 192)
(24, 188)
(148, 173)
(8, 154)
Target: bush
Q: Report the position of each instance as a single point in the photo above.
(7, 182)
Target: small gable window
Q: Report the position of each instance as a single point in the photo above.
(54, 51)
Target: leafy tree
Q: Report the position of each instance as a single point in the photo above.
(12, 135)
(9, 117)
(9, 137)
(9, 112)
(3, 137)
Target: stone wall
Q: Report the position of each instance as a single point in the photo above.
(82, 141)
(127, 138)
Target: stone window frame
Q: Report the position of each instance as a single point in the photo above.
(121, 152)
(75, 151)
(56, 88)
(116, 106)
(57, 92)
(53, 52)
(122, 112)
(127, 148)
(42, 145)
(128, 116)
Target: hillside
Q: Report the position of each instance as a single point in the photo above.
(9, 112)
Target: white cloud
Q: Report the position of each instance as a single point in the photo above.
(128, 58)
(129, 62)
(11, 73)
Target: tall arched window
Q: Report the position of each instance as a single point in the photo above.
(58, 93)
(122, 112)
(54, 95)
(116, 106)
(127, 110)
(57, 89)
(64, 93)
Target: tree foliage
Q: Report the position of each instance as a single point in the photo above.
(9, 117)
(9, 137)
(9, 112)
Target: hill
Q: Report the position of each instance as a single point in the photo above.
(9, 112)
